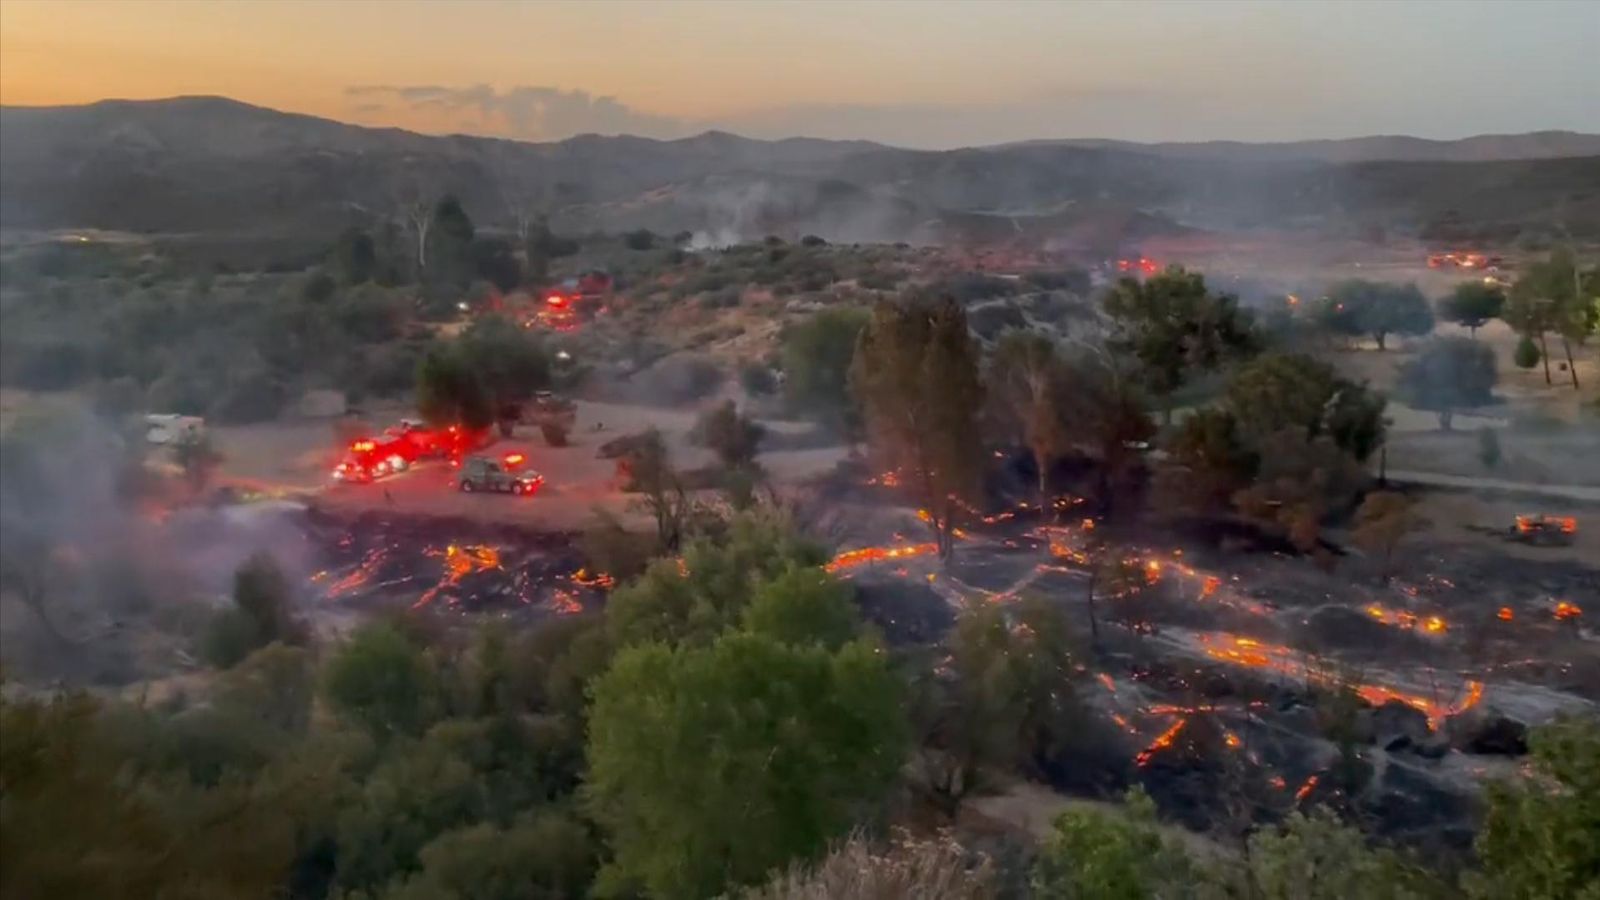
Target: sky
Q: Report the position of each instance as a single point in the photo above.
(918, 73)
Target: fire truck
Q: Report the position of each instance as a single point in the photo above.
(402, 446)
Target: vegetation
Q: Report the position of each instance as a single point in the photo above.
(1175, 326)
(1027, 383)
(1449, 374)
(1472, 304)
(1357, 307)
(816, 367)
(915, 375)
(1382, 522)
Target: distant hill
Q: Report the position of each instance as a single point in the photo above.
(208, 164)
(1390, 148)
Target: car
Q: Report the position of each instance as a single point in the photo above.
(484, 473)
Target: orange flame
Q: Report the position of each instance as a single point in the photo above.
(1162, 741)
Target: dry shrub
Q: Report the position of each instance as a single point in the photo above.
(934, 868)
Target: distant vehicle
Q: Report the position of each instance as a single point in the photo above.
(369, 459)
(1545, 530)
(170, 428)
(505, 475)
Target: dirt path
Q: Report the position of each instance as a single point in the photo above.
(1577, 492)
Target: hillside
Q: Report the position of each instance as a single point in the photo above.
(210, 164)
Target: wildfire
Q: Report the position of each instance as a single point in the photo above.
(1210, 586)
(1305, 789)
(1255, 654)
(1162, 741)
(888, 479)
(852, 558)
(1565, 610)
(1232, 740)
(1408, 620)
(598, 579)
(1506, 614)
(460, 562)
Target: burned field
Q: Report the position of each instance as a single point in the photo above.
(1236, 685)
(373, 562)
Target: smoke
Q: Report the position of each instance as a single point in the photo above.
(95, 571)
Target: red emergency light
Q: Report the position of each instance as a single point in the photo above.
(514, 459)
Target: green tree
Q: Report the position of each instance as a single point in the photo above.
(1489, 452)
(1449, 373)
(1298, 483)
(510, 363)
(916, 375)
(381, 681)
(1378, 310)
(261, 614)
(546, 857)
(711, 766)
(1117, 855)
(1472, 304)
(803, 606)
(274, 686)
(1541, 835)
(1550, 296)
(450, 257)
(1027, 386)
(1007, 701)
(709, 591)
(1207, 462)
(1527, 354)
(355, 257)
(1110, 420)
(1291, 390)
(450, 390)
(733, 437)
(1316, 857)
(1174, 326)
(816, 355)
(651, 474)
(494, 261)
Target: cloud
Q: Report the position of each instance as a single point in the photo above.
(528, 112)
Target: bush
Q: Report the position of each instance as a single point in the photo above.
(643, 239)
(1526, 356)
(757, 380)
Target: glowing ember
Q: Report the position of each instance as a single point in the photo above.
(1162, 741)
(1565, 610)
(598, 579)
(1408, 620)
(1209, 586)
(460, 562)
(1231, 739)
(1506, 614)
(852, 558)
(1305, 789)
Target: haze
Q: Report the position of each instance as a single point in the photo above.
(922, 75)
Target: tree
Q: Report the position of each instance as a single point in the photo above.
(1291, 390)
(697, 599)
(1541, 835)
(816, 356)
(1316, 857)
(711, 766)
(1175, 326)
(1472, 304)
(641, 239)
(1026, 383)
(381, 681)
(1118, 855)
(1382, 522)
(355, 257)
(927, 868)
(547, 856)
(451, 390)
(494, 261)
(734, 438)
(916, 375)
(1299, 481)
(1110, 420)
(1527, 354)
(1449, 373)
(651, 474)
(1378, 310)
(417, 204)
(1555, 295)
(450, 247)
(803, 606)
(1007, 700)
(261, 614)
(1207, 462)
(509, 362)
